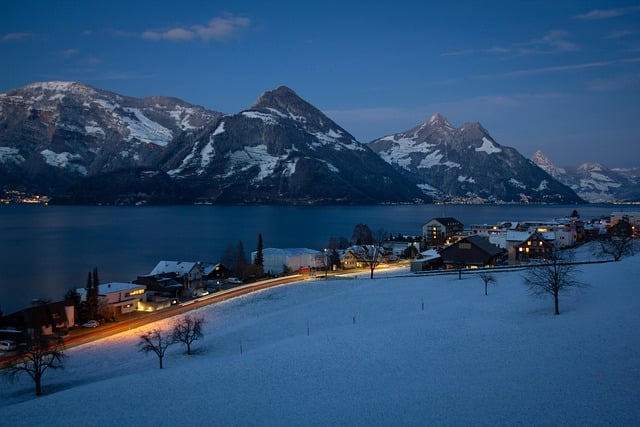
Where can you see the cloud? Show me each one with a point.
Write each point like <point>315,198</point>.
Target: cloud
<point>569,67</point>
<point>458,53</point>
<point>631,81</point>
<point>220,28</point>
<point>607,13</point>
<point>619,34</point>
<point>555,41</point>
<point>17,37</point>
<point>174,34</point>
<point>68,53</point>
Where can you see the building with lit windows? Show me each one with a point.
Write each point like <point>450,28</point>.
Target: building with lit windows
<point>117,298</point>
<point>439,231</point>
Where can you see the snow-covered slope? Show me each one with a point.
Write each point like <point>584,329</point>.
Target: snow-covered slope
<point>85,145</point>
<point>54,133</point>
<point>364,352</point>
<point>467,164</point>
<point>594,182</point>
<point>283,149</point>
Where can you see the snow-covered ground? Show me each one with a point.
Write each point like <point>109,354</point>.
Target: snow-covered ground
<point>357,351</point>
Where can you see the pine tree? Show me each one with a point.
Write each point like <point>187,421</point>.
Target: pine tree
<point>92,294</point>
<point>259,261</point>
<point>241,260</point>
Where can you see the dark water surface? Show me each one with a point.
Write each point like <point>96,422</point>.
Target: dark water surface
<point>45,250</point>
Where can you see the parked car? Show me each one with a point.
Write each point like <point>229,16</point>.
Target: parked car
<point>201,293</point>
<point>90,324</point>
<point>7,345</point>
<point>234,280</point>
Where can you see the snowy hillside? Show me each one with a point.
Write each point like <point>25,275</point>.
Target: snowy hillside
<point>365,352</point>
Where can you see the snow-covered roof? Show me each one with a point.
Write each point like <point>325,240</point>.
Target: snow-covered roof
<point>429,254</point>
<point>517,236</point>
<point>176,267</point>
<point>106,288</point>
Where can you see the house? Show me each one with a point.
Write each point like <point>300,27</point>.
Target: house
<point>471,252</point>
<point>116,298</point>
<point>534,247</point>
<point>214,271</point>
<point>523,246</point>
<point>190,274</point>
<point>42,318</point>
<point>428,260</point>
<point>160,286</point>
<point>632,218</point>
<point>401,249</point>
<point>439,231</point>
<point>277,260</point>
<point>360,256</point>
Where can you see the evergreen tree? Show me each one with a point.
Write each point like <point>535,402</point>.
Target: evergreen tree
<point>259,261</point>
<point>92,295</point>
<point>362,235</point>
<point>241,260</point>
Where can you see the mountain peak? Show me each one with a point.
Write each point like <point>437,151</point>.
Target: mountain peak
<point>282,99</point>
<point>439,119</point>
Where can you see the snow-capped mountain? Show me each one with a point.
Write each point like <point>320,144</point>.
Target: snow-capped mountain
<point>593,181</point>
<point>85,145</point>
<point>53,134</point>
<point>466,164</point>
<point>283,149</point>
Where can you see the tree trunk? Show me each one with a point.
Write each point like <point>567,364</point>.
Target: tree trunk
<point>557,306</point>
<point>485,288</point>
<point>160,361</point>
<point>38,385</point>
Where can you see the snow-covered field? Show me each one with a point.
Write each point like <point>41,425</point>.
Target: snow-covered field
<point>365,352</point>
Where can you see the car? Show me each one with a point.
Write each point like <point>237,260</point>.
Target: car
<point>201,293</point>
<point>233,280</point>
<point>7,345</point>
<point>90,324</point>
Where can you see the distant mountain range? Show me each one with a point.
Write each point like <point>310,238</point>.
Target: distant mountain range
<point>83,145</point>
<point>594,182</point>
<point>465,163</point>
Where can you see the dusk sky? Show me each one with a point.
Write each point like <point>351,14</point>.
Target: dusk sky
<point>562,77</point>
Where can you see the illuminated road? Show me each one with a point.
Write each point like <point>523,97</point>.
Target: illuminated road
<point>85,335</point>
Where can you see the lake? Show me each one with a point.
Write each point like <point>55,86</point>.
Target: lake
<point>46,250</point>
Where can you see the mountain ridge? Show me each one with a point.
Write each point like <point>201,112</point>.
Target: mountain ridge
<point>66,138</point>
<point>467,164</point>
<point>593,181</point>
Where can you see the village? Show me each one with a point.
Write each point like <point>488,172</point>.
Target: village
<point>444,244</point>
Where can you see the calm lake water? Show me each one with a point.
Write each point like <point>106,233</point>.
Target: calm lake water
<point>45,250</point>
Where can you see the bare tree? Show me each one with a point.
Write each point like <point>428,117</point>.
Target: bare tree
<point>617,246</point>
<point>188,330</point>
<point>551,277</point>
<point>372,254</point>
<point>157,342</point>
<point>36,358</point>
<point>487,278</point>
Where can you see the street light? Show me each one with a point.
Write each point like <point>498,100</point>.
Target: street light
<point>326,262</point>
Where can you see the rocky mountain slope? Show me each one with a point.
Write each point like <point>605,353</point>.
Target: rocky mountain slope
<point>85,145</point>
<point>465,164</point>
<point>284,150</point>
<point>54,134</point>
<point>594,182</point>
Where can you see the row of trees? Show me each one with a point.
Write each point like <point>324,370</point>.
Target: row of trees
<point>41,354</point>
<point>186,331</point>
